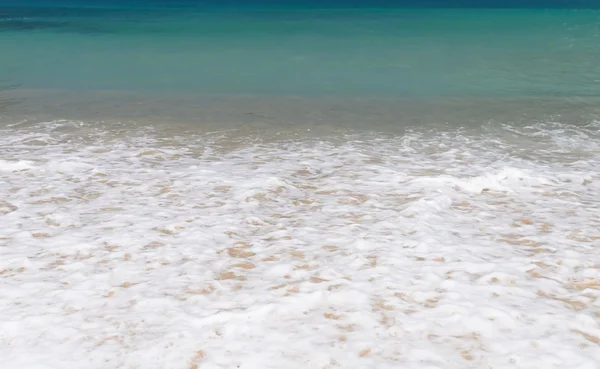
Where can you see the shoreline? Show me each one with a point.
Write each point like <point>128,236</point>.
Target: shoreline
<point>204,111</point>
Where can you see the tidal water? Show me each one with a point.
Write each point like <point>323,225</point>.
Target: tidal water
<point>299,184</point>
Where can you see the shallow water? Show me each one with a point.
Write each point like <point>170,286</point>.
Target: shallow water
<point>342,52</point>
<point>126,247</point>
<point>185,187</point>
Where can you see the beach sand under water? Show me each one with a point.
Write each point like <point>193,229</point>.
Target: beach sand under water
<point>129,245</point>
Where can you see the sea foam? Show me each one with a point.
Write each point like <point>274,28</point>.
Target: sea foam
<point>423,250</point>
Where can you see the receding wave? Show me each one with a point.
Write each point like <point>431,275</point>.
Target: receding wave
<point>220,249</point>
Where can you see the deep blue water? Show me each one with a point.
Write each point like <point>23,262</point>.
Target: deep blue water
<point>570,4</point>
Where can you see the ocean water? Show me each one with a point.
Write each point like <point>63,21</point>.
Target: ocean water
<point>299,185</point>
<point>415,53</point>
<point>185,60</point>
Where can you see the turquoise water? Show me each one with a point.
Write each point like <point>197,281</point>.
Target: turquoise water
<point>297,62</point>
<point>339,52</point>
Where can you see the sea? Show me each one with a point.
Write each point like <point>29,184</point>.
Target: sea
<point>300,184</point>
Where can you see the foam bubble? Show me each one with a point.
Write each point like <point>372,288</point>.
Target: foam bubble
<point>11,166</point>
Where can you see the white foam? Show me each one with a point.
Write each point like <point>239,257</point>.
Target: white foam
<point>422,251</point>
<point>11,166</point>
